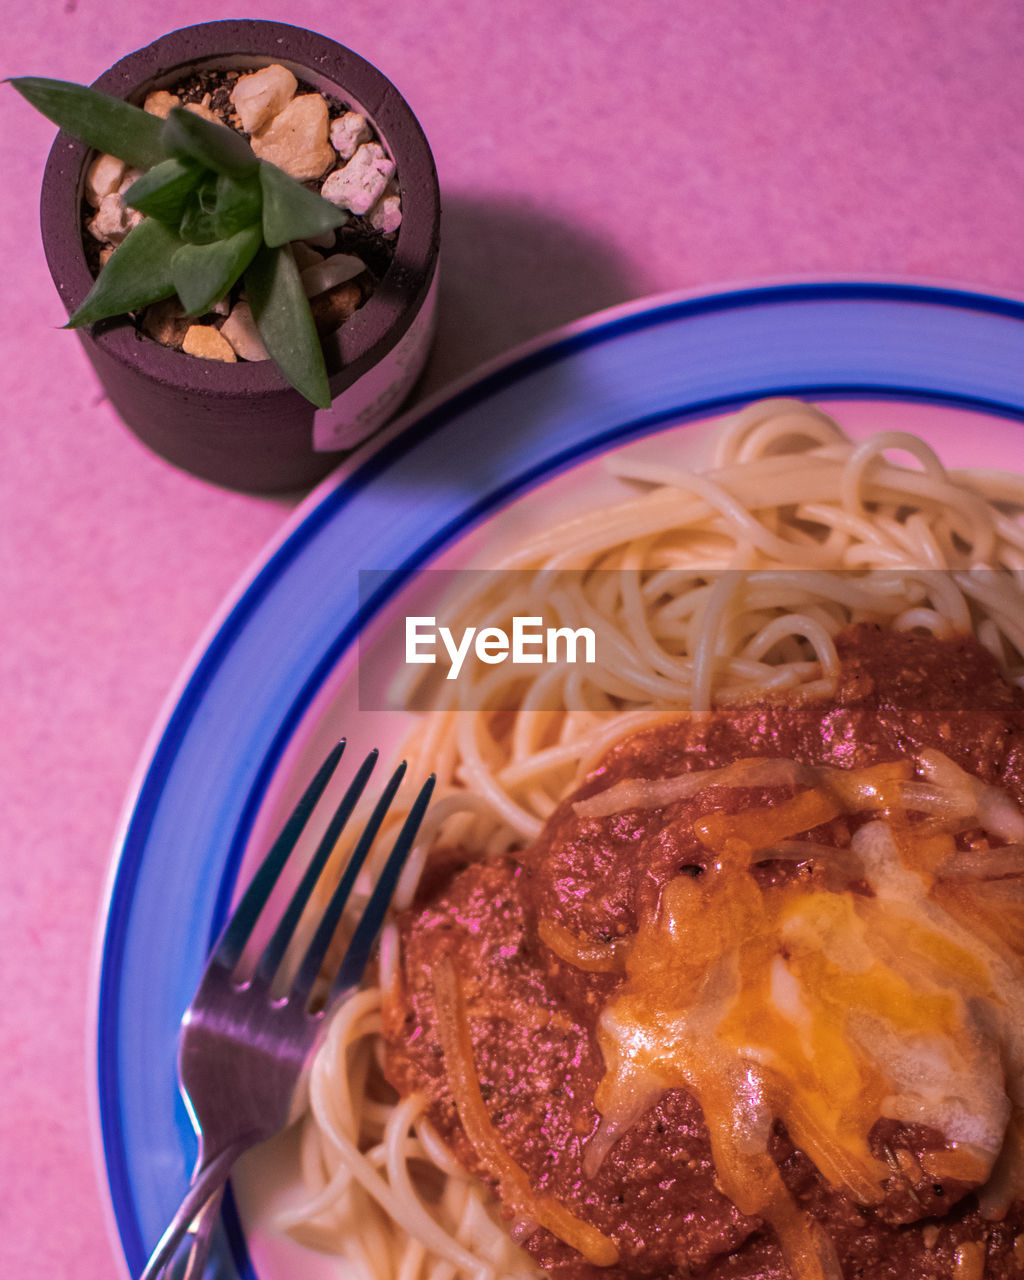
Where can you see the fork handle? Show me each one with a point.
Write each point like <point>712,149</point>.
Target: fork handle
<point>207,1183</point>
<point>205,1223</point>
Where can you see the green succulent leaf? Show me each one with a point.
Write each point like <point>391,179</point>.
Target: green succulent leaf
<point>293,212</point>
<point>238,204</point>
<point>203,273</point>
<point>97,119</point>
<point>199,221</point>
<point>190,137</point>
<point>285,322</point>
<point>165,191</point>
<point>138,273</point>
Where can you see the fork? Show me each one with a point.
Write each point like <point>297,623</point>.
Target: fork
<point>243,1046</point>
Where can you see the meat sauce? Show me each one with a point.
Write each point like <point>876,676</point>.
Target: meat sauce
<point>532,1013</point>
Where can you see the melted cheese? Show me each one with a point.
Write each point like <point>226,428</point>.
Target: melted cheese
<point>582,953</point>
<point>453,1032</point>
<point>824,1010</point>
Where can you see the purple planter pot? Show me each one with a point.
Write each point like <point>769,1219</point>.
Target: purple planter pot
<point>241,425</point>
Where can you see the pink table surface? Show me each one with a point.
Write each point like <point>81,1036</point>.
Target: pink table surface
<point>589,154</point>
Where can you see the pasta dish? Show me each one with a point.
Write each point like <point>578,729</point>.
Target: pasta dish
<point>709,961</point>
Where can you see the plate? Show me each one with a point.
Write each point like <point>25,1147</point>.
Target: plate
<point>524,441</point>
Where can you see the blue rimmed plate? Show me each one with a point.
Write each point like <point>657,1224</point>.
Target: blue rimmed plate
<point>517,445</point>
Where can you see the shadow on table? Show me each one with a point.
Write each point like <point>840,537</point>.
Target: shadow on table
<point>509,274</point>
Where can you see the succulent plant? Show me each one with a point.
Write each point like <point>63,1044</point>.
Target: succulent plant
<point>213,214</point>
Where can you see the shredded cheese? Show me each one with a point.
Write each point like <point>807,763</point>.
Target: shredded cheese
<point>825,1010</point>
<point>582,953</point>
<point>858,788</point>
<point>742,835</point>
<point>453,1031</point>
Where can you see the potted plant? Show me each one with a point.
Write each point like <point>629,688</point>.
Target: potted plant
<point>210,223</point>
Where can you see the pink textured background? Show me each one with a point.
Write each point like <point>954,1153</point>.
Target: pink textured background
<point>589,154</point>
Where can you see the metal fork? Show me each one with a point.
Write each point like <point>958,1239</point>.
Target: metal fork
<point>243,1046</point>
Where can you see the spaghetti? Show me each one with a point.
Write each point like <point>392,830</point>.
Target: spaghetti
<point>708,591</point>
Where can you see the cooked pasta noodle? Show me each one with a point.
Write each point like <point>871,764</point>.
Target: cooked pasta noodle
<point>707,590</point>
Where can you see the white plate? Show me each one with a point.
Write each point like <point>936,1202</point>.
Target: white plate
<point>274,682</point>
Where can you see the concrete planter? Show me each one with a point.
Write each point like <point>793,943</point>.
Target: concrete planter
<point>241,425</point>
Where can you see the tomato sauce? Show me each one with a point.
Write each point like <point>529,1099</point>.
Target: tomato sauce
<point>532,1013</point>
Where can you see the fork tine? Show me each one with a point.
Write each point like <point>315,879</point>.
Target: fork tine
<point>275,949</point>
<point>236,934</point>
<point>317,949</point>
<point>358,952</point>
<point>372,915</point>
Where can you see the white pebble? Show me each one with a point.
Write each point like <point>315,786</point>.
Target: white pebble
<point>386,214</point>
<point>262,95</point>
<point>203,340</point>
<point>130,176</point>
<point>201,109</point>
<point>330,272</point>
<point>296,139</point>
<point>240,331</point>
<point>104,176</point>
<point>358,185</point>
<point>347,132</point>
<point>304,255</point>
<point>160,102</point>
<point>113,219</point>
